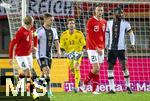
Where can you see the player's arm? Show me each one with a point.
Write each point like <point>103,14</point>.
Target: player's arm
<point>104,37</point>
<point>57,43</point>
<point>132,37</point>
<point>62,42</point>
<point>13,43</point>
<point>82,40</point>
<point>107,33</point>
<point>35,41</point>
<point>57,47</point>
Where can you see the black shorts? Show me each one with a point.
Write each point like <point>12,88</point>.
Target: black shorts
<point>114,54</point>
<point>43,62</point>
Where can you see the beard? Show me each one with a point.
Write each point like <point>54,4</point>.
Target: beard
<point>119,17</point>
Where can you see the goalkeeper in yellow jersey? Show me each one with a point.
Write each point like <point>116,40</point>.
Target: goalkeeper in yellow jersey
<point>72,42</point>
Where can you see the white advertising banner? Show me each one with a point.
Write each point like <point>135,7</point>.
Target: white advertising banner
<point>38,7</point>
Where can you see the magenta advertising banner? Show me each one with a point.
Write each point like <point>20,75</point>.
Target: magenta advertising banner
<point>139,69</point>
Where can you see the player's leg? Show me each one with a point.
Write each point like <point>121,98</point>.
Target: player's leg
<point>77,73</point>
<point>73,72</point>
<point>122,59</point>
<point>32,70</point>
<point>45,65</point>
<point>25,66</point>
<point>111,62</point>
<point>96,76</point>
<point>93,57</point>
<point>48,78</point>
<point>71,66</point>
<point>33,77</point>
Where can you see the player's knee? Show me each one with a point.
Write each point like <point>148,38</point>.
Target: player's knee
<point>123,67</point>
<point>47,74</point>
<point>72,71</point>
<point>27,73</point>
<point>76,68</point>
<point>110,66</point>
<point>21,75</point>
<point>95,70</point>
<point>76,65</point>
<point>126,72</point>
<point>45,70</point>
<point>123,64</point>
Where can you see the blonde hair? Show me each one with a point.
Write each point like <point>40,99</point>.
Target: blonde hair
<point>28,20</point>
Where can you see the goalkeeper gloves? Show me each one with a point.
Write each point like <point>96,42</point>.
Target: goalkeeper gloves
<point>73,55</point>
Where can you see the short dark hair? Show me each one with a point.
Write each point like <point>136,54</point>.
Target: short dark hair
<point>118,11</point>
<point>99,5</point>
<point>46,15</point>
<point>70,19</point>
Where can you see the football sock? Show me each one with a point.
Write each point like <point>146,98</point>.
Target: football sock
<point>127,78</point>
<point>88,78</point>
<point>77,78</point>
<point>95,82</point>
<point>111,80</point>
<point>48,83</point>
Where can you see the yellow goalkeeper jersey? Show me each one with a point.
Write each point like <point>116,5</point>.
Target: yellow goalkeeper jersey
<point>72,42</point>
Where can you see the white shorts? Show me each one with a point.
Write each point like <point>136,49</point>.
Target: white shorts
<point>94,57</point>
<point>25,62</point>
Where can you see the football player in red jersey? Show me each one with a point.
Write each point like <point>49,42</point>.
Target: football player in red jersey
<point>21,44</point>
<point>95,44</point>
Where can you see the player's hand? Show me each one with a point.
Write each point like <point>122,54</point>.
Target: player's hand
<point>10,61</point>
<point>106,51</point>
<point>132,48</point>
<point>99,51</point>
<point>58,54</point>
<point>34,49</point>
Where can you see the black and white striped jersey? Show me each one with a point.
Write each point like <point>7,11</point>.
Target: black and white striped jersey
<point>115,34</point>
<point>46,38</point>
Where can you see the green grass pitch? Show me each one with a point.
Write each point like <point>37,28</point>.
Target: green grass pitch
<point>71,96</point>
<point>119,96</point>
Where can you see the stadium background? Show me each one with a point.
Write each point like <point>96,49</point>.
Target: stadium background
<point>61,78</point>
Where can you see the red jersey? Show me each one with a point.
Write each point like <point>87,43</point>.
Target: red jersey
<point>95,33</point>
<point>23,42</point>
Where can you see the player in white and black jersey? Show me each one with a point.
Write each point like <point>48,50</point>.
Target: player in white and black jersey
<point>47,37</point>
<point>116,30</point>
